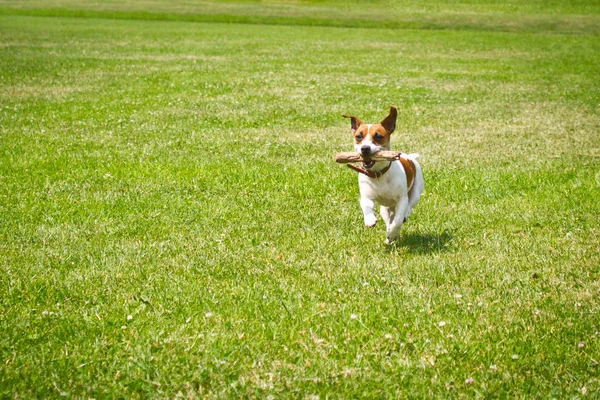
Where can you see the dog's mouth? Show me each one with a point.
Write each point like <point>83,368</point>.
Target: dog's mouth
<point>368,164</point>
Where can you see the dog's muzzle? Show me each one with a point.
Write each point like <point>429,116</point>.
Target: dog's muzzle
<point>368,164</point>
<point>365,151</point>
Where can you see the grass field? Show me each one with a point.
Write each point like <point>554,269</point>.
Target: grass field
<point>172,222</point>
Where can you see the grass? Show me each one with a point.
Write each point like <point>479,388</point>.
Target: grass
<point>562,17</point>
<point>172,223</point>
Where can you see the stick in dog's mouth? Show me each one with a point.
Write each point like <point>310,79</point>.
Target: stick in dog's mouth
<point>351,157</point>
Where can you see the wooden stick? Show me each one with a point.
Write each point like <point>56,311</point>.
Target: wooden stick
<point>352,156</point>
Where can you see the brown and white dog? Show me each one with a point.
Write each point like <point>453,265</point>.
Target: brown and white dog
<point>395,185</point>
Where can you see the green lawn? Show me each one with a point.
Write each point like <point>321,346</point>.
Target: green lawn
<point>172,222</point>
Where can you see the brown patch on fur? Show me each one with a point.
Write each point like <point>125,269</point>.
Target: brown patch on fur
<point>375,132</point>
<point>380,136</point>
<point>410,170</point>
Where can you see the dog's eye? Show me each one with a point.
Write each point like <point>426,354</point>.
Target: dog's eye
<point>378,137</point>
<point>358,137</point>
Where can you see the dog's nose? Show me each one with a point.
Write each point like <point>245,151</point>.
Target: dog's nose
<point>365,150</point>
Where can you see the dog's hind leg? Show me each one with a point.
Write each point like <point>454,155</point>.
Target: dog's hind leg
<point>394,229</point>
<point>414,194</point>
<point>387,214</point>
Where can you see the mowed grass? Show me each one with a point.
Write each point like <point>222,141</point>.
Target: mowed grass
<point>563,17</point>
<point>172,222</point>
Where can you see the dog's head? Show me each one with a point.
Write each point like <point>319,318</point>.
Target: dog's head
<point>371,138</point>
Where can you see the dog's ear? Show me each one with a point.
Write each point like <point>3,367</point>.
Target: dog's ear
<point>389,122</point>
<point>355,121</point>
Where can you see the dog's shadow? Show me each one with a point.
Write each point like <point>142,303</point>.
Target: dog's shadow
<point>423,243</point>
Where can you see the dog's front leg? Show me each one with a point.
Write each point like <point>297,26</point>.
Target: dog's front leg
<point>393,230</point>
<point>367,206</point>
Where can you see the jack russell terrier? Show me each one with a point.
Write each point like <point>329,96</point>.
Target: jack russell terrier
<point>395,185</point>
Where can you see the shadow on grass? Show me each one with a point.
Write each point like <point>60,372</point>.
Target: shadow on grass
<point>423,243</point>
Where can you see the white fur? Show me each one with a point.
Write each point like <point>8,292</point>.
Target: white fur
<point>390,191</point>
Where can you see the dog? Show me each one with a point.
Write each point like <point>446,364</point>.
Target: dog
<point>395,185</point>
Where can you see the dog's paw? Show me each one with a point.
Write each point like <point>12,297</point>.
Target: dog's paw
<point>370,221</point>
<point>390,239</point>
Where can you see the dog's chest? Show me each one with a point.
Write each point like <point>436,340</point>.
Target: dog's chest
<point>386,190</point>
